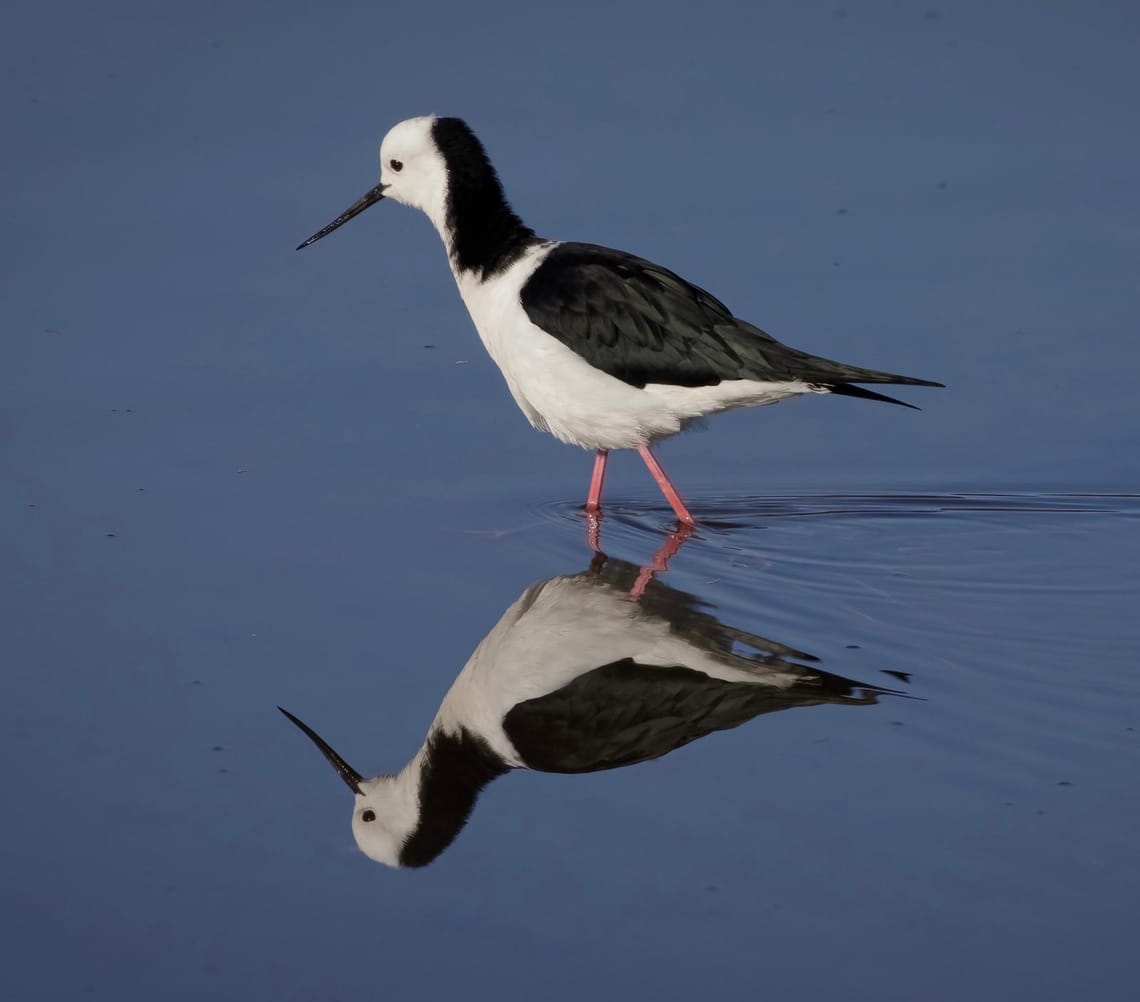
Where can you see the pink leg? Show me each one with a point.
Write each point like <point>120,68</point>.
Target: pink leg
<point>594,498</point>
<point>667,488</point>
<point>594,503</point>
<point>669,549</point>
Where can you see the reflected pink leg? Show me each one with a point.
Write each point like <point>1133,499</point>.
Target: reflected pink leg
<point>594,532</point>
<point>669,549</point>
<point>667,488</point>
<point>594,498</point>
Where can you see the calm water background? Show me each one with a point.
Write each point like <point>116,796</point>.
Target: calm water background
<point>233,476</point>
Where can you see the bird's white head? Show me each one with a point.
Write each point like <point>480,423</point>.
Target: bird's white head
<point>413,171</point>
<point>385,811</point>
<point>438,165</point>
<point>412,168</point>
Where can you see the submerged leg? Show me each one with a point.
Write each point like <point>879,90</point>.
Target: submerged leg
<point>667,488</point>
<point>669,549</point>
<point>594,498</point>
<point>594,532</point>
<point>594,502</point>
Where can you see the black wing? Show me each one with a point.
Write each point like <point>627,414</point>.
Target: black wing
<point>625,712</point>
<point>643,324</point>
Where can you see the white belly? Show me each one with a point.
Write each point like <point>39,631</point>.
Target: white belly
<point>560,392</point>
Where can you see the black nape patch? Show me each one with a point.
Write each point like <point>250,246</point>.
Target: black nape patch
<point>487,236</point>
<point>456,769</point>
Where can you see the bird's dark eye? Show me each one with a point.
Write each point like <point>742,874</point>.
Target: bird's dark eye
<point>396,165</point>
<point>368,816</point>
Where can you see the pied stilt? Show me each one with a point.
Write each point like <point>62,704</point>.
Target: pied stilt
<point>600,348</point>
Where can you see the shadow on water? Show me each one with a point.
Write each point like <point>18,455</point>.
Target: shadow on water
<point>583,672</point>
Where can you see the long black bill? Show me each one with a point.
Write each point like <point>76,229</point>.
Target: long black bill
<point>344,770</point>
<point>355,209</point>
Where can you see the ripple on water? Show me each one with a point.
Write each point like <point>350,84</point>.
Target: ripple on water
<point>1025,585</point>
<point>1012,616</point>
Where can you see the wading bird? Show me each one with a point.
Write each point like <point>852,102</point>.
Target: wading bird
<point>600,348</point>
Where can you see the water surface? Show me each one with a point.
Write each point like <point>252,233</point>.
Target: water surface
<point>233,476</point>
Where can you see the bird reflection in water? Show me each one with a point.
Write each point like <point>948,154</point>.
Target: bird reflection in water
<point>584,672</point>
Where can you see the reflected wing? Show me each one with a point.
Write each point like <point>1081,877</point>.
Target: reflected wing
<point>643,324</point>
<point>627,712</point>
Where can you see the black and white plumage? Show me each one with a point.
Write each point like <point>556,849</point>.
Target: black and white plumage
<point>576,678</point>
<point>600,348</point>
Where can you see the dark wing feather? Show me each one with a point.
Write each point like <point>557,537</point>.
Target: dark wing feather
<point>625,712</point>
<point>642,324</point>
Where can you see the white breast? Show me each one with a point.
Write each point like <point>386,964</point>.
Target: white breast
<point>560,392</point>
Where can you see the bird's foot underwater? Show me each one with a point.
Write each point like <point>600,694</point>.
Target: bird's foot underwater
<point>594,531</point>
<point>594,497</point>
<point>660,562</point>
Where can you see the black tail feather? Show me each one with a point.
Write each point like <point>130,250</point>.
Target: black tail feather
<point>851,390</point>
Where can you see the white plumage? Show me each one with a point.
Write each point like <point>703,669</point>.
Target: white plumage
<point>602,349</point>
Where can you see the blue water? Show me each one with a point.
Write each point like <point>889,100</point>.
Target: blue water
<point>233,476</point>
